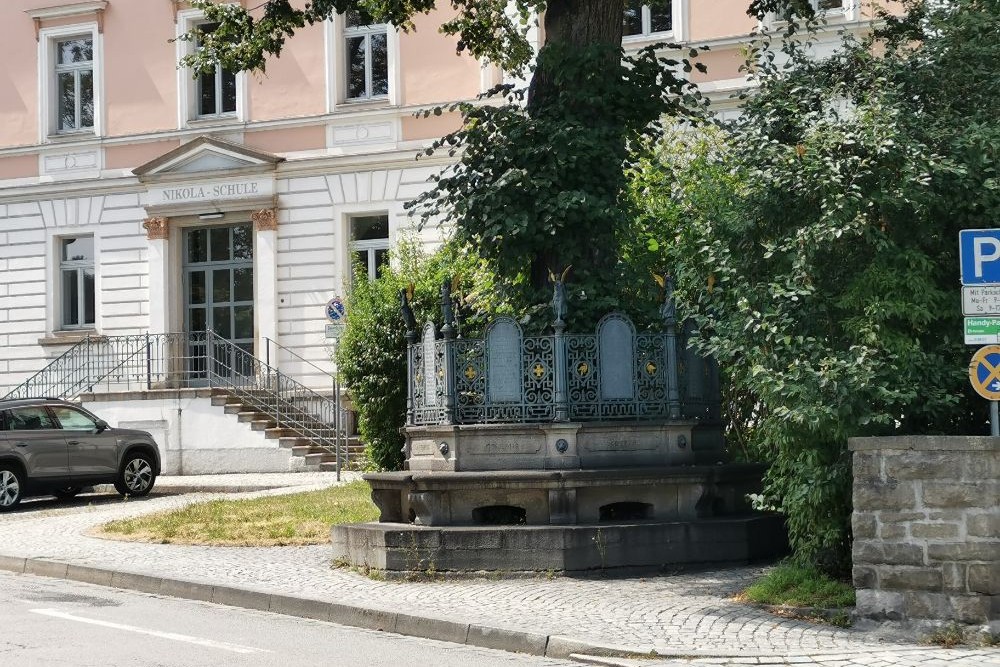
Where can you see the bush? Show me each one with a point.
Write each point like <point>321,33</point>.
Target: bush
<point>371,357</point>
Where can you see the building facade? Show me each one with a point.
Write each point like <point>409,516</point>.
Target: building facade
<point>135,198</point>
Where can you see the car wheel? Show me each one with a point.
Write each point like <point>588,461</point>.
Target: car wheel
<point>136,476</point>
<point>11,487</point>
<point>67,492</point>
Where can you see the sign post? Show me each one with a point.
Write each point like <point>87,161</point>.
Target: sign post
<point>984,374</point>
<point>979,264</point>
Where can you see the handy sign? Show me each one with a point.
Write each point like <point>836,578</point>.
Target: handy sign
<point>979,256</point>
<point>984,372</point>
<point>982,330</point>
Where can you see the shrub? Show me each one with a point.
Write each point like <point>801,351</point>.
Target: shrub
<point>371,357</point>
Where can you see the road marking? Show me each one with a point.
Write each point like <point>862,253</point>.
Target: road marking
<point>225,646</point>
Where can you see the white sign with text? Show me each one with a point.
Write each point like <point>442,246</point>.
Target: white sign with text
<point>209,191</point>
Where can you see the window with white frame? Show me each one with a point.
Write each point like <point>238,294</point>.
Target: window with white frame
<point>215,91</point>
<point>369,244</point>
<point>366,59</point>
<point>76,282</point>
<point>647,18</point>
<point>74,84</point>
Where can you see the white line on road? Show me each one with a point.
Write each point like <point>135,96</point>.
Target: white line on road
<point>225,646</point>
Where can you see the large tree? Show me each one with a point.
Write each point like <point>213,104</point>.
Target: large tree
<point>538,182</point>
<point>815,241</point>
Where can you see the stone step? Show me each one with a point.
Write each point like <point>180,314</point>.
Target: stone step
<point>262,424</point>
<point>292,442</point>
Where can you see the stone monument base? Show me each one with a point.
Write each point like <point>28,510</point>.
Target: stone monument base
<point>568,521</point>
<point>404,549</point>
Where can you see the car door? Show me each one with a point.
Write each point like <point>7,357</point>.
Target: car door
<point>33,435</point>
<point>93,452</point>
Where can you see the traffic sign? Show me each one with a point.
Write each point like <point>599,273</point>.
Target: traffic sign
<point>982,330</point>
<point>335,310</point>
<point>979,256</point>
<point>984,372</point>
<point>981,300</point>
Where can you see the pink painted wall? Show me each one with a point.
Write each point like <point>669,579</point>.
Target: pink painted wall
<point>721,64</point>
<point>712,19</point>
<point>431,127</point>
<point>18,166</point>
<point>19,74</point>
<point>431,71</point>
<point>129,156</point>
<point>140,69</point>
<point>287,140</point>
<point>293,84</point>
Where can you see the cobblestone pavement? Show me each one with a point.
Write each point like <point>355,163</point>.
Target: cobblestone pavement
<point>686,614</point>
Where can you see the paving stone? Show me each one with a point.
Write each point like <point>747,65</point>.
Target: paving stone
<point>684,614</point>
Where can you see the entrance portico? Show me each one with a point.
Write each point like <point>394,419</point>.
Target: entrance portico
<point>212,234</point>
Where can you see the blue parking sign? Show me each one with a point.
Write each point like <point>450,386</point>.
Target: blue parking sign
<point>979,256</point>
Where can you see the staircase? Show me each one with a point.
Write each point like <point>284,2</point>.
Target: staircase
<point>316,455</point>
<point>310,424</point>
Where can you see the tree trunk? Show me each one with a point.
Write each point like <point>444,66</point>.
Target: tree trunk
<point>578,24</point>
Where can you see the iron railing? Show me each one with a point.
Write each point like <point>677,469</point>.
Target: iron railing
<point>615,373</point>
<point>183,360</point>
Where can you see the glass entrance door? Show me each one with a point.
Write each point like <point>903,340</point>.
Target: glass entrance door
<point>218,289</point>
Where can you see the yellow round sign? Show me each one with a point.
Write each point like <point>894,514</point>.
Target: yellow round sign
<point>984,372</point>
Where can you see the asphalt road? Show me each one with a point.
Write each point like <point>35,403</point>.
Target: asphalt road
<point>55,622</point>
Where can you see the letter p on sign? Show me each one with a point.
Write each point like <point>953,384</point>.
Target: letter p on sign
<point>979,256</point>
<point>985,249</point>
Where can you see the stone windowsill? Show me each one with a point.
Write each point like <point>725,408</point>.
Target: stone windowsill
<point>67,337</point>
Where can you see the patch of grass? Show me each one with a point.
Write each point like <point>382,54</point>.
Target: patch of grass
<point>799,586</point>
<point>947,636</point>
<point>293,519</point>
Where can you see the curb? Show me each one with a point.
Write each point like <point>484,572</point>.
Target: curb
<point>471,634</point>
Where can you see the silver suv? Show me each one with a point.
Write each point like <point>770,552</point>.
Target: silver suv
<point>54,447</point>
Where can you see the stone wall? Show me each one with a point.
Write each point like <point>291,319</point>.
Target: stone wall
<point>927,528</point>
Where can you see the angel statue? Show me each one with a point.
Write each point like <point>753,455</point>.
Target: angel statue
<point>559,294</point>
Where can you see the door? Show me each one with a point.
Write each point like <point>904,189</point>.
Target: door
<point>91,452</point>
<point>33,435</point>
<point>218,297</point>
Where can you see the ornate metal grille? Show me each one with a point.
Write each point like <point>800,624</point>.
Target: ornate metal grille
<point>506,377</point>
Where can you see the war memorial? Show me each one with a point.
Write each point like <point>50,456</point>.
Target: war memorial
<point>565,452</point>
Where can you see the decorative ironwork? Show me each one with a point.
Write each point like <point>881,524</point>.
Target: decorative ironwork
<point>201,359</point>
<point>613,373</point>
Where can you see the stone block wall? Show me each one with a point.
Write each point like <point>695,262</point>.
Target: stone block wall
<point>927,528</point>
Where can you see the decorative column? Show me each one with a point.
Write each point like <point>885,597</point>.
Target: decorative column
<point>265,223</point>
<point>668,311</point>
<point>448,334</point>
<point>160,298</point>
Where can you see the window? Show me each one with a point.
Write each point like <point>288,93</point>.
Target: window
<point>367,58</point>
<point>34,418</point>
<point>647,19</point>
<point>216,91</point>
<point>74,72</point>
<point>370,244</point>
<point>73,420</point>
<point>76,281</point>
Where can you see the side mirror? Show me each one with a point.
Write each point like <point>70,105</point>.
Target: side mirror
<point>102,426</point>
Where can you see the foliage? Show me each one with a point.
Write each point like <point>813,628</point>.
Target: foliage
<point>532,211</point>
<point>813,242</point>
<point>292,519</point>
<point>799,586</point>
<point>485,28</point>
<point>371,357</point>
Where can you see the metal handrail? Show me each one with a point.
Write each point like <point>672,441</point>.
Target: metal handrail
<point>262,386</point>
<point>76,368</point>
<point>193,359</point>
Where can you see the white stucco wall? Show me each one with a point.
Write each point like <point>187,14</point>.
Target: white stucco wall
<point>196,437</point>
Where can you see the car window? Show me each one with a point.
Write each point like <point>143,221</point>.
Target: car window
<point>32,418</point>
<point>73,420</point>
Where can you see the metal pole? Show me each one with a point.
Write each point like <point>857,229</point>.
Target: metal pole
<point>994,419</point>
